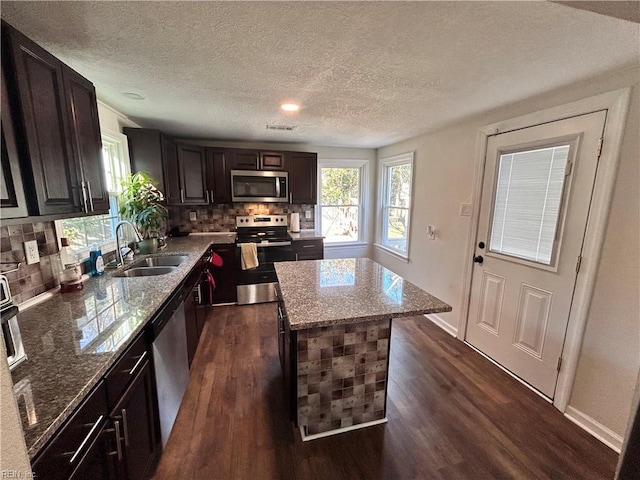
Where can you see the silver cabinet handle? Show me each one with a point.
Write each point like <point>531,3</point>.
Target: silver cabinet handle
<point>213,196</point>
<point>125,427</point>
<point>181,195</point>
<point>90,197</point>
<point>116,425</point>
<point>84,197</point>
<point>86,439</point>
<point>140,360</point>
<point>207,196</point>
<point>308,246</point>
<point>290,197</point>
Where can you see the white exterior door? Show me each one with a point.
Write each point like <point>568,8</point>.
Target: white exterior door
<point>536,196</point>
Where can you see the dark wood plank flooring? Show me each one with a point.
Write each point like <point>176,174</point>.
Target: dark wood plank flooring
<point>452,414</point>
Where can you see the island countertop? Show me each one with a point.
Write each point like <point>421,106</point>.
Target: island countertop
<point>351,290</point>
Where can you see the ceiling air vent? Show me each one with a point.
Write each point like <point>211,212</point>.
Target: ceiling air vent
<point>285,128</point>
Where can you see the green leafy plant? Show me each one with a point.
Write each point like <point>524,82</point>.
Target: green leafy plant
<point>140,203</point>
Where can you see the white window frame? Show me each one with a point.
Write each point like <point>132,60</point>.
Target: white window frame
<point>384,166</point>
<point>363,165</point>
<point>119,142</point>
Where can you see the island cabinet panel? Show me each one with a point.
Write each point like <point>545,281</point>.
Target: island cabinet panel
<point>303,175</point>
<point>13,203</point>
<point>342,375</point>
<point>193,175</point>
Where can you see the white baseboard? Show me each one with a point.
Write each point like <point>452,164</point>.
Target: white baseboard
<point>610,438</point>
<point>453,331</point>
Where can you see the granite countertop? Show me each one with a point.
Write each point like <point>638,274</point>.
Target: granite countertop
<point>72,339</point>
<point>306,235</point>
<point>352,290</point>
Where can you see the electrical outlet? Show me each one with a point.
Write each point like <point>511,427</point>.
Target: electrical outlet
<point>31,252</point>
<point>192,216</point>
<point>465,209</point>
<point>307,214</point>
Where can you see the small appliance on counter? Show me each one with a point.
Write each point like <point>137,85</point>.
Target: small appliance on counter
<point>10,329</point>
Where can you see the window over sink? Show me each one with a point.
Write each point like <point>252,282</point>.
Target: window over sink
<point>83,232</point>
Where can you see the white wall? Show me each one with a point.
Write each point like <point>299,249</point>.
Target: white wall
<point>111,120</point>
<point>444,164</point>
<point>13,450</point>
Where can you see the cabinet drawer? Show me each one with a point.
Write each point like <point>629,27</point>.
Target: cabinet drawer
<point>125,370</point>
<point>308,249</point>
<point>73,441</point>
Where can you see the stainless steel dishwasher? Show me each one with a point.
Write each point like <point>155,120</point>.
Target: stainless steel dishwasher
<point>171,362</point>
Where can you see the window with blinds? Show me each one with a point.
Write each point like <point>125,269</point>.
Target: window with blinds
<point>527,203</point>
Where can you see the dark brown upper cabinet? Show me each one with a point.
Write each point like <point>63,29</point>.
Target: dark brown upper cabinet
<point>218,176</point>
<point>146,153</point>
<point>193,175</point>
<point>171,169</point>
<point>12,200</point>
<point>245,160</point>
<point>272,161</point>
<point>303,176</point>
<point>55,116</point>
<point>85,133</point>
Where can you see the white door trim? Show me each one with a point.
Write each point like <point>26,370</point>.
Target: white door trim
<point>617,104</point>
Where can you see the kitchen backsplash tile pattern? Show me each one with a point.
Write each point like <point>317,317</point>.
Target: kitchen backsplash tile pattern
<point>30,280</point>
<point>222,218</point>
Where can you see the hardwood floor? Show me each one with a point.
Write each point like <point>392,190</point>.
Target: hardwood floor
<point>452,415</point>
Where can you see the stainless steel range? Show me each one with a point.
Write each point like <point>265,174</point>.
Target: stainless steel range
<point>273,244</point>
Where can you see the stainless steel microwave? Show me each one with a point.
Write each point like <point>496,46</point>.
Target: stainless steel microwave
<point>259,186</point>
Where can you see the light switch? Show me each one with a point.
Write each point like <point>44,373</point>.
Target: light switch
<point>31,252</point>
<point>307,214</point>
<point>192,216</point>
<point>465,209</point>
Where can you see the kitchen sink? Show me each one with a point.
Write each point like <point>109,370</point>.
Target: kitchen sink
<point>160,261</point>
<point>146,271</point>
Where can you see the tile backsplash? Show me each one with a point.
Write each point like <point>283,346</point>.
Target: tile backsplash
<point>30,280</point>
<point>222,218</point>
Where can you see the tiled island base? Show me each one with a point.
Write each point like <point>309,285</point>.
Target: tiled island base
<point>342,373</point>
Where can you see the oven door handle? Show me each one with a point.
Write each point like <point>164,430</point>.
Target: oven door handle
<point>269,244</point>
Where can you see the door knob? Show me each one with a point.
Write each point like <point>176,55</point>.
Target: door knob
<point>478,259</point>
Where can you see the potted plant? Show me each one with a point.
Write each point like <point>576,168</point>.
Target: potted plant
<point>140,203</point>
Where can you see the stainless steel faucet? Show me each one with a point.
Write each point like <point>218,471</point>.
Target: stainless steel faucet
<point>119,258</point>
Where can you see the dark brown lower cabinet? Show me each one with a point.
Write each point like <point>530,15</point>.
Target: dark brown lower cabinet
<point>99,463</point>
<point>224,276</point>
<point>138,435</point>
<point>287,348</point>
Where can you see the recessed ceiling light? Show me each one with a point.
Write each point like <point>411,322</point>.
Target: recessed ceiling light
<point>290,107</point>
<point>133,96</point>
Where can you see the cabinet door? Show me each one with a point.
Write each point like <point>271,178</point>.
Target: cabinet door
<point>99,463</point>
<point>218,174</point>
<point>190,317</point>
<point>225,276</point>
<point>245,160</point>
<point>171,170</point>
<point>137,414</point>
<point>40,90</point>
<point>193,174</point>
<point>87,143</point>
<point>272,161</point>
<point>145,153</point>
<point>12,200</point>
<point>303,171</point>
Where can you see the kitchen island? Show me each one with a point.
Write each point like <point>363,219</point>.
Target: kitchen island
<point>334,322</point>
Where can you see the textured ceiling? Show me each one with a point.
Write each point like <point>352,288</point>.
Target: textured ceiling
<point>365,74</point>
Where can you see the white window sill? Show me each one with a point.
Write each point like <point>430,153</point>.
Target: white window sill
<point>345,244</point>
<point>394,253</point>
